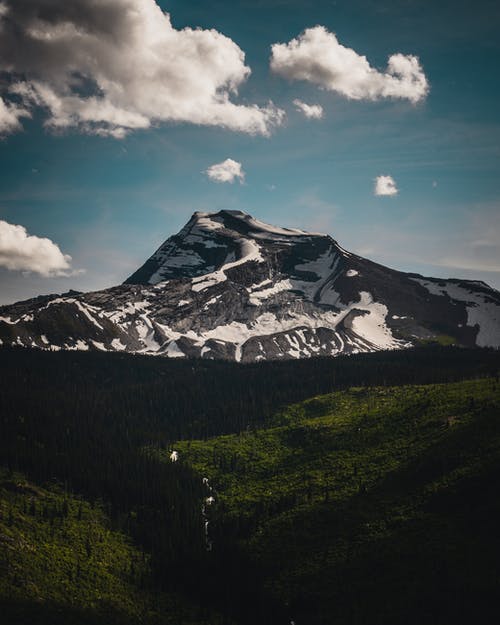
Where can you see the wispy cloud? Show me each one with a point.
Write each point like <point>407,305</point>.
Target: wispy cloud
<point>10,116</point>
<point>311,111</point>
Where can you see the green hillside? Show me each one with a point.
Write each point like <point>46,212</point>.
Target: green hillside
<point>62,563</point>
<point>368,505</point>
<point>376,502</point>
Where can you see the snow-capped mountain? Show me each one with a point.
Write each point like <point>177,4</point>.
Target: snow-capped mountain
<point>229,286</point>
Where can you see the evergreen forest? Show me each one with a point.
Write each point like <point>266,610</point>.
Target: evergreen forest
<point>349,490</point>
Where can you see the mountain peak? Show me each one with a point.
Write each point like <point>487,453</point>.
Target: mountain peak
<point>229,218</point>
<point>210,240</point>
<point>231,286</point>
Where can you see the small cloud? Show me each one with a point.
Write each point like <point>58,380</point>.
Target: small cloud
<point>311,111</point>
<point>227,171</point>
<point>271,187</point>
<point>434,184</point>
<point>20,251</point>
<point>385,185</point>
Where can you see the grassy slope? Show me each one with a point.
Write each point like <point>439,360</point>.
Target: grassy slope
<point>61,563</point>
<point>380,502</point>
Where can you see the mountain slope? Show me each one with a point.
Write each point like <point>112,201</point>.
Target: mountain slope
<point>61,563</point>
<point>229,286</point>
<point>372,505</point>
<point>109,422</point>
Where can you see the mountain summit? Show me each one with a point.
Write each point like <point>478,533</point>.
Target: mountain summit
<point>209,242</point>
<point>230,286</point>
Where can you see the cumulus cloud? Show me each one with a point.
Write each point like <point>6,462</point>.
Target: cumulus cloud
<point>227,171</point>
<point>311,111</point>
<point>317,56</point>
<point>24,252</point>
<point>111,66</point>
<point>385,185</point>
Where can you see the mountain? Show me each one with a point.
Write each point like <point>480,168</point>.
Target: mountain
<point>228,286</point>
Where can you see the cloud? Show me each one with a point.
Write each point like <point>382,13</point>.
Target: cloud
<point>317,56</point>
<point>227,171</point>
<point>108,67</point>
<point>10,113</point>
<point>311,111</point>
<point>385,185</point>
<point>24,252</point>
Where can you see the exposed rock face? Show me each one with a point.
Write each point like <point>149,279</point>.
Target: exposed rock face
<point>229,286</point>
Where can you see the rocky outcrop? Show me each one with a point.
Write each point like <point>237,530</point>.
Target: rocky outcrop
<point>229,286</point>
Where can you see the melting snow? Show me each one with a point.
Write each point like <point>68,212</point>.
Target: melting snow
<point>481,310</point>
<point>118,345</point>
<point>205,221</point>
<point>372,326</point>
<point>85,311</point>
<point>249,251</point>
<point>81,345</point>
<point>174,351</point>
<point>257,297</point>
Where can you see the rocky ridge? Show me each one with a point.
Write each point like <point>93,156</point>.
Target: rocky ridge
<point>230,286</point>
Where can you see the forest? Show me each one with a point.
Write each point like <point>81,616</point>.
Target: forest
<point>371,475</point>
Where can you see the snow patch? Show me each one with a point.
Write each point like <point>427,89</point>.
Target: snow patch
<point>81,345</point>
<point>372,327</point>
<point>256,298</point>
<point>249,251</point>
<point>481,310</point>
<point>174,351</point>
<point>84,309</point>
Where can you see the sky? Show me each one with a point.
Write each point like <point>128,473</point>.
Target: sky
<point>375,122</point>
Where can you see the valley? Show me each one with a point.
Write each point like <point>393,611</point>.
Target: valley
<point>321,480</point>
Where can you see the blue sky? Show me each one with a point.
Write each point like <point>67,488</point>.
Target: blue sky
<point>110,202</point>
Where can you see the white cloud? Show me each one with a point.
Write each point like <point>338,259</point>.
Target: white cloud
<point>227,171</point>
<point>317,57</point>
<point>111,66</point>
<point>311,111</point>
<point>24,252</point>
<point>10,114</point>
<point>385,185</point>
